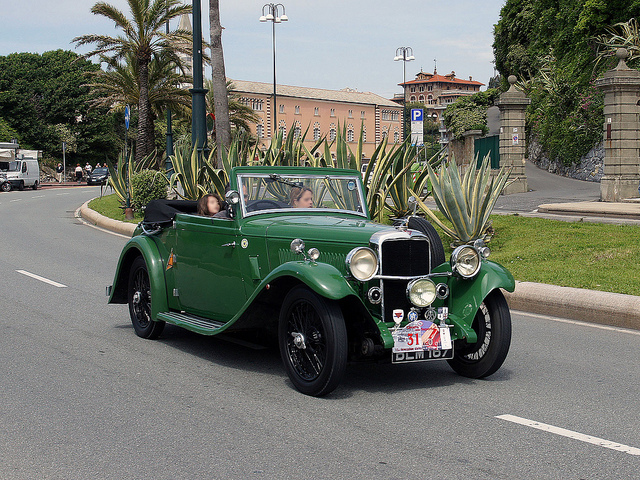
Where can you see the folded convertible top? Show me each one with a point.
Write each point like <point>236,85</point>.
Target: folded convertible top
<point>164,211</point>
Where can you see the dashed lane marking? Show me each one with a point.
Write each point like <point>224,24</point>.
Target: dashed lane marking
<point>571,434</point>
<point>38,196</point>
<point>16,200</point>
<point>42,279</point>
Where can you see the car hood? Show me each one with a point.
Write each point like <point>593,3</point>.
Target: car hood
<point>312,228</point>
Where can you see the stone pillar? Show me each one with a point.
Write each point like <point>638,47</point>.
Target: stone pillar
<point>513,104</point>
<point>621,87</point>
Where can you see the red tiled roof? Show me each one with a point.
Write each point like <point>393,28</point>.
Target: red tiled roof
<point>442,79</point>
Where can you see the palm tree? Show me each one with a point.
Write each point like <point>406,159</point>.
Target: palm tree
<point>240,115</point>
<point>119,85</point>
<point>144,39</point>
<point>219,83</point>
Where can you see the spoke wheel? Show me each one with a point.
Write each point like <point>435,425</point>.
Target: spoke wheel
<point>313,341</point>
<point>492,325</point>
<point>139,297</point>
<point>6,187</point>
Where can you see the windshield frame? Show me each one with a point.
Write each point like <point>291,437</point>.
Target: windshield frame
<point>302,176</point>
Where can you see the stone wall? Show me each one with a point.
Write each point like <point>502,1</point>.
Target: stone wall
<point>589,168</point>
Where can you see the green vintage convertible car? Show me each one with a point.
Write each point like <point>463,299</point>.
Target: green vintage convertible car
<point>295,255</point>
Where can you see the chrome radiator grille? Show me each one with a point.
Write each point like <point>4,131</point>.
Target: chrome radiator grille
<point>401,257</point>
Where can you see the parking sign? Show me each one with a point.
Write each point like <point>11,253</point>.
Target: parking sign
<point>417,115</point>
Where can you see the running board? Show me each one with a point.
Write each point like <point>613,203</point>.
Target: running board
<point>200,325</point>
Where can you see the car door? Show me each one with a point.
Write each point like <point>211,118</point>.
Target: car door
<point>207,267</point>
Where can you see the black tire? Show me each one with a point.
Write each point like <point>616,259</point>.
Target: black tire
<point>6,187</point>
<point>313,341</point>
<point>21,185</point>
<point>139,299</point>
<point>492,323</point>
<point>35,185</point>
<point>437,250</point>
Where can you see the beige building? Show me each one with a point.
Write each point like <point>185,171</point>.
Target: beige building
<point>436,92</point>
<point>322,112</point>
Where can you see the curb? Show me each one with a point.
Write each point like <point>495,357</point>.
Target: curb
<point>591,306</point>
<point>93,217</point>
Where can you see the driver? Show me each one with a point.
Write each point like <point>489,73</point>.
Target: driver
<point>301,197</point>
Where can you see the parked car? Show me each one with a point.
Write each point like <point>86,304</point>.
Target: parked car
<point>99,176</point>
<point>21,173</point>
<point>331,285</point>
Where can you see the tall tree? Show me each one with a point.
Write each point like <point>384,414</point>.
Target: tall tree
<point>240,115</point>
<point>143,39</point>
<point>43,96</point>
<point>219,83</point>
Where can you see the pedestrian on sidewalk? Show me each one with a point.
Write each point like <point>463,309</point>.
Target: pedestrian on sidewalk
<point>87,169</point>
<point>98,165</point>
<point>78,173</point>
<point>59,172</point>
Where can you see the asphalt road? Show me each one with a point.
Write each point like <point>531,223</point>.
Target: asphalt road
<point>81,397</point>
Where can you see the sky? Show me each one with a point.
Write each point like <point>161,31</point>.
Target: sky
<point>325,44</point>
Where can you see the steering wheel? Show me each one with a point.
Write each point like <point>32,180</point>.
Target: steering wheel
<point>262,205</point>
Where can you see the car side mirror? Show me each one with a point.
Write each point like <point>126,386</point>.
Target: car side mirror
<point>232,197</point>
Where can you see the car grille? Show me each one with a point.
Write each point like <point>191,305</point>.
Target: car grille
<point>401,258</point>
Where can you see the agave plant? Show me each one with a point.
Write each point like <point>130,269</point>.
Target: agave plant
<point>188,173</point>
<point>120,174</point>
<point>466,202</point>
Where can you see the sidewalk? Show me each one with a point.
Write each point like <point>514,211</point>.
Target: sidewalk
<point>623,210</point>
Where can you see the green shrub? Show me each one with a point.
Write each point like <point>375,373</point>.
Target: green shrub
<point>147,185</point>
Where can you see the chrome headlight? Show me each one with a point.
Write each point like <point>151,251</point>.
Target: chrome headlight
<point>465,261</point>
<point>421,292</point>
<point>362,262</point>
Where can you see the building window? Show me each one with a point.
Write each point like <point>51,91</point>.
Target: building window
<point>421,98</point>
<point>281,108</point>
<point>297,109</point>
<point>385,115</point>
<point>316,133</point>
<point>333,112</point>
<point>350,113</point>
<point>316,111</point>
<point>260,130</point>
<point>364,134</point>
<point>413,98</point>
<point>282,128</point>
<point>384,135</point>
<point>332,134</point>
<point>412,89</point>
<point>421,88</point>
<point>362,114</point>
<point>297,131</point>
<point>396,137</point>
<point>429,88</point>
<point>350,135</point>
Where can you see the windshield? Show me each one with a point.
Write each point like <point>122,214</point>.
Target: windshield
<point>10,166</point>
<point>101,171</point>
<point>264,192</point>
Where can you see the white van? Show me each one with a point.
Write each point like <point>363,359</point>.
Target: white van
<point>21,173</point>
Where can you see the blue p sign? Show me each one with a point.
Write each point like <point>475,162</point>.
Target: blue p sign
<point>416,114</point>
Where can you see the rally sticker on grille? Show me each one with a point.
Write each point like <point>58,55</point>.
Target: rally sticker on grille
<point>418,336</point>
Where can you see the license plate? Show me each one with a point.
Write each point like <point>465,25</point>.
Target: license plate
<point>421,340</point>
<point>421,356</point>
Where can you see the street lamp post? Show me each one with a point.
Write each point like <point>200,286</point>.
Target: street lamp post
<point>406,55</point>
<point>198,104</point>
<point>167,161</point>
<point>274,16</point>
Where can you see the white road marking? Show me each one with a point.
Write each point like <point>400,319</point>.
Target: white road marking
<point>38,196</point>
<point>578,322</point>
<point>16,200</point>
<point>42,279</point>
<point>58,194</point>
<point>571,434</point>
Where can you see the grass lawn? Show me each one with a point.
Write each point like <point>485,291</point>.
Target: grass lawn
<point>109,206</point>
<point>572,254</point>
